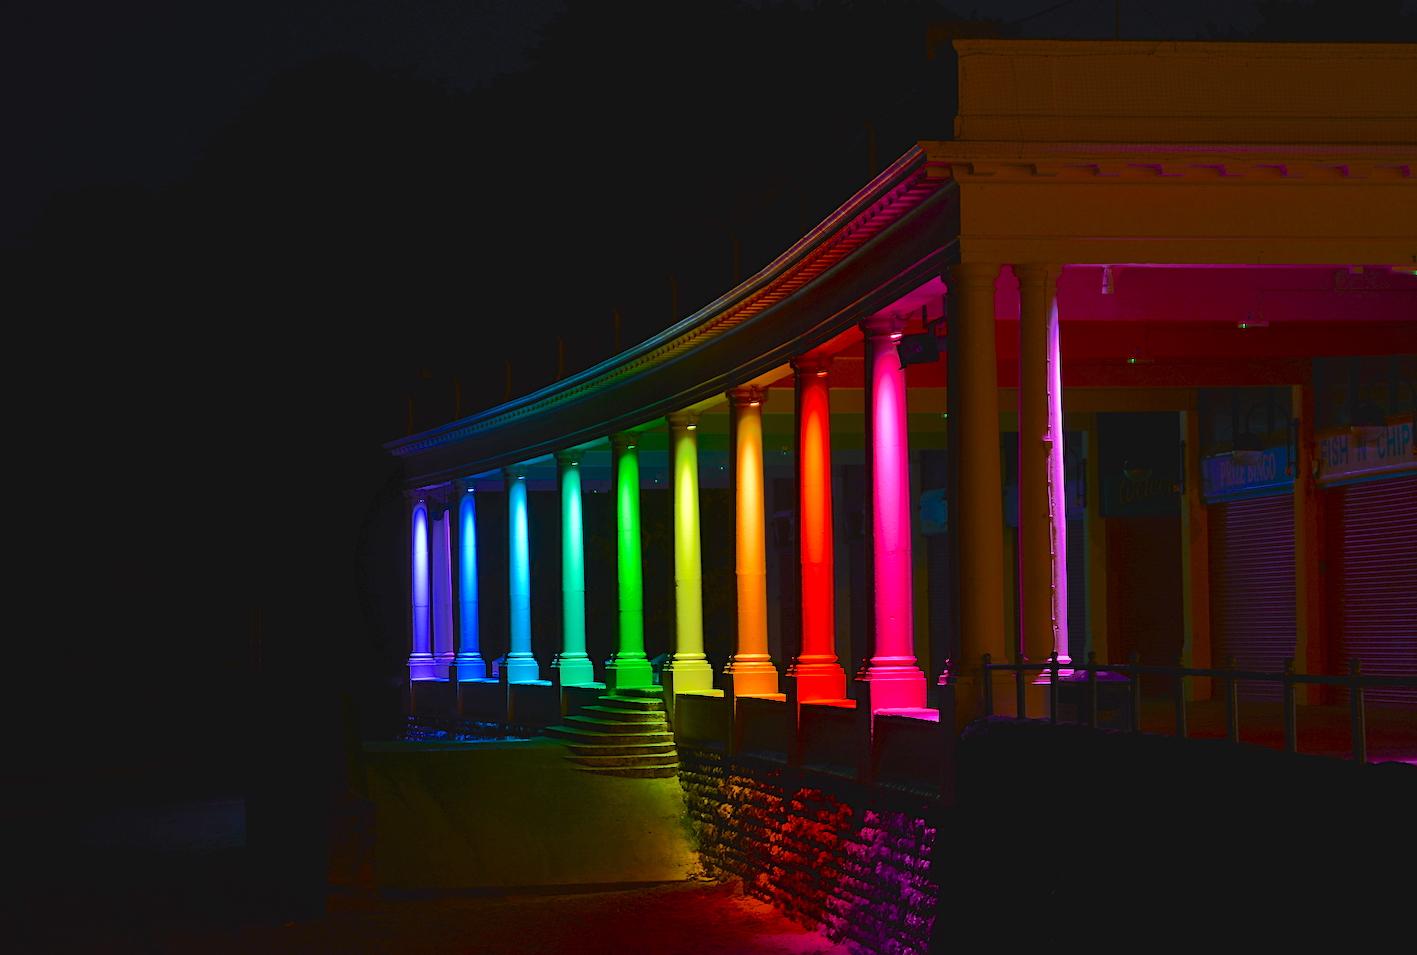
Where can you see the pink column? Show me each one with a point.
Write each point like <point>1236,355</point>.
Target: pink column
<point>895,679</point>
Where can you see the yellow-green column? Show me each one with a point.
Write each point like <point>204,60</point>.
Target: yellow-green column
<point>689,666</point>
<point>628,666</point>
<point>980,509</point>
<point>751,666</point>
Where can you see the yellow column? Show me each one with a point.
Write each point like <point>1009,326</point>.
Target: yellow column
<point>751,666</point>
<point>1195,564</point>
<point>980,509</point>
<point>1309,610</point>
<point>1041,501</point>
<point>688,665</point>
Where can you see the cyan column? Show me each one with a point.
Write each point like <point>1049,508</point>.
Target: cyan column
<point>521,665</point>
<point>420,661</point>
<point>628,666</point>
<point>469,660</point>
<point>689,665</point>
<point>572,665</point>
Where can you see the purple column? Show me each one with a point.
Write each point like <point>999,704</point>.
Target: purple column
<point>440,567</point>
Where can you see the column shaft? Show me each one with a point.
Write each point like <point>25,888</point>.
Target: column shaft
<point>895,679</point>
<point>628,666</point>
<point>689,665</point>
<point>471,666</point>
<point>441,588</point>
<point>572,665</point>
<point>1042,502</point>
<point>521,664</point>
<point>420,660</point>
<point>751,666</point>
<point>819,674</point>
<point>974,429</point>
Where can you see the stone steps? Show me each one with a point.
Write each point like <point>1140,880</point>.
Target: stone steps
<point>624,734</point>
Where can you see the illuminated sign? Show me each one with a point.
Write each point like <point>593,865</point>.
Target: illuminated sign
<point>1345,456</point>
<point>1223,478</point>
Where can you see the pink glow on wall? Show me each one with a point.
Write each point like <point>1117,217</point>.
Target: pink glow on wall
<point>420,661</point>
<point>441,592</point>
<point>1057,490</point>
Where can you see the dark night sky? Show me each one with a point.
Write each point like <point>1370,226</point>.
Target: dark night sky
<point>128,92</point>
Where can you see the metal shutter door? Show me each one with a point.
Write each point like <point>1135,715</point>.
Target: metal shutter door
<point>1252,587</point>
<point>1372,570</point>
<point>1077,591</point>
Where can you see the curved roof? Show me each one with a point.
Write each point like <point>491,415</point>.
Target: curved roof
<point>894,234</point>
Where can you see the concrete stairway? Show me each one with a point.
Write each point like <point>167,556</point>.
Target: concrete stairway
<point>624,735</point>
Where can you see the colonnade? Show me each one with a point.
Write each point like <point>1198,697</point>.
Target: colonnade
<point>897,681</point>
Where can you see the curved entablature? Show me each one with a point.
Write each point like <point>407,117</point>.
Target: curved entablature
<point>802,299</point>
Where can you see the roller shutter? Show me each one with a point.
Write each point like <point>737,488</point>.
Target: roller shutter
<point>1252,587</point>
<point>1372,576</point>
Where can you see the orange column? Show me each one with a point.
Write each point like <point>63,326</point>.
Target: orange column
<point>751,666</point>
<point>819,675</point>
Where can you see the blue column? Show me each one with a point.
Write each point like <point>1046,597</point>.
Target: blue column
<point>420,661</point>
<point>521,665</point>
<point>471,666</point>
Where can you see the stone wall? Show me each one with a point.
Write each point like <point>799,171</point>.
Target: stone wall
<point>854,860</point>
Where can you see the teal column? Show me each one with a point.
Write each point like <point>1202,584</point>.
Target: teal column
<point>521,665</point>
<point>572,666</point>
<point>628,667</point>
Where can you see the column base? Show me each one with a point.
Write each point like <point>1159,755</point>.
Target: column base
<point>817,682</point>
<point>895,687</point>
<point>522,669</point>
<point>422,666</point>
<point>470,667</point>
<point>690,676</point>
<point>752,678</point>
<point>572,671</point>
<point>628,673</point>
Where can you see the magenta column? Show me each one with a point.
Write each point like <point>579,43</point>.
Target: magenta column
<point>895,679</point>
<point>420,660</point>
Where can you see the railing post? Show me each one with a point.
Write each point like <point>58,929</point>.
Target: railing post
<point>1053,689</point>
<point>1020,678</point>
<point>1355,702</point>
<point>1232,705</point>
<point>1180,691</point>
<point>988,686</point>
<point>1092,688</point>
<point>1291,721</point>
<point>1134,661</point>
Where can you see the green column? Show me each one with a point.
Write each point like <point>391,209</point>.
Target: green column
<point>628,666</point>
<point>571,665</point>
<point>689,666</point>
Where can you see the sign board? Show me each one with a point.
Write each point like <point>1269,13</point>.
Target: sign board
<point>1343,457</point>
<point>1224,479</point>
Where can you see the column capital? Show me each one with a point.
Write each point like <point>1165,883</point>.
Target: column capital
<point>462,485</point>
<point>976,274</point>
<point>1037,273</point>
<point>682,419</point>
<point>811,365</point>
<point>624,440</point>
<point>746,395</point>
<point>569,456</point>
<point>514,472</point>
<point>878,327</point>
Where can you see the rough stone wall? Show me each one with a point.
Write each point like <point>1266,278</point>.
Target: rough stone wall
<point>828,853</point>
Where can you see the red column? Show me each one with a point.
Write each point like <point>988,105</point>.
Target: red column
<point>895,679</point>
<point>819,675</point>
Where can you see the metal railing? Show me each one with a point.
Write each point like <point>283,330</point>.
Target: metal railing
<point>1355,680</point>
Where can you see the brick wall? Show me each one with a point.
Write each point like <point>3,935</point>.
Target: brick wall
<point>852,859</point>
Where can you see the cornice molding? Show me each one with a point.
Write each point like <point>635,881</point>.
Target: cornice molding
<point>886,201</point>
